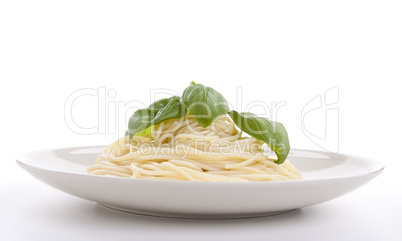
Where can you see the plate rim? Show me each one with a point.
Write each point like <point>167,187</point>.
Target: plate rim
<point>378,168</point>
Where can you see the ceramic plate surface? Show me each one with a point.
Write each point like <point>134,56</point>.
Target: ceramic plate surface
<point>326,176</point>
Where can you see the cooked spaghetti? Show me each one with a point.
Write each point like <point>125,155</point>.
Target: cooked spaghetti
<point>181,149</point>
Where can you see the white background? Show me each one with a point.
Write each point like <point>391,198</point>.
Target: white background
<point>275,51</point>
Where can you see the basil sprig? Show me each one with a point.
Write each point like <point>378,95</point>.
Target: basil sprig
<point>157,112</point>
<point>272,133</point>
<point>204,103</point>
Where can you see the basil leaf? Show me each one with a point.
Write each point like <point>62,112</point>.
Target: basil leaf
<point>156,113</point>
<point>272,133</point>
<point>205,103</point>
<point>144,133</point>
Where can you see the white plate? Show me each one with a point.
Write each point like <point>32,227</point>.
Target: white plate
<point>326,176</point>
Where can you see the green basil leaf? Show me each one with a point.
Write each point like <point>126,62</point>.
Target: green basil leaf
<point>205,103</point>
<point>156,113</point>
<point>144,133</point>
<point>272,133</point>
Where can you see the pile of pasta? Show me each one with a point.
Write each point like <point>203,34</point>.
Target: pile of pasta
<point>181,149</point>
